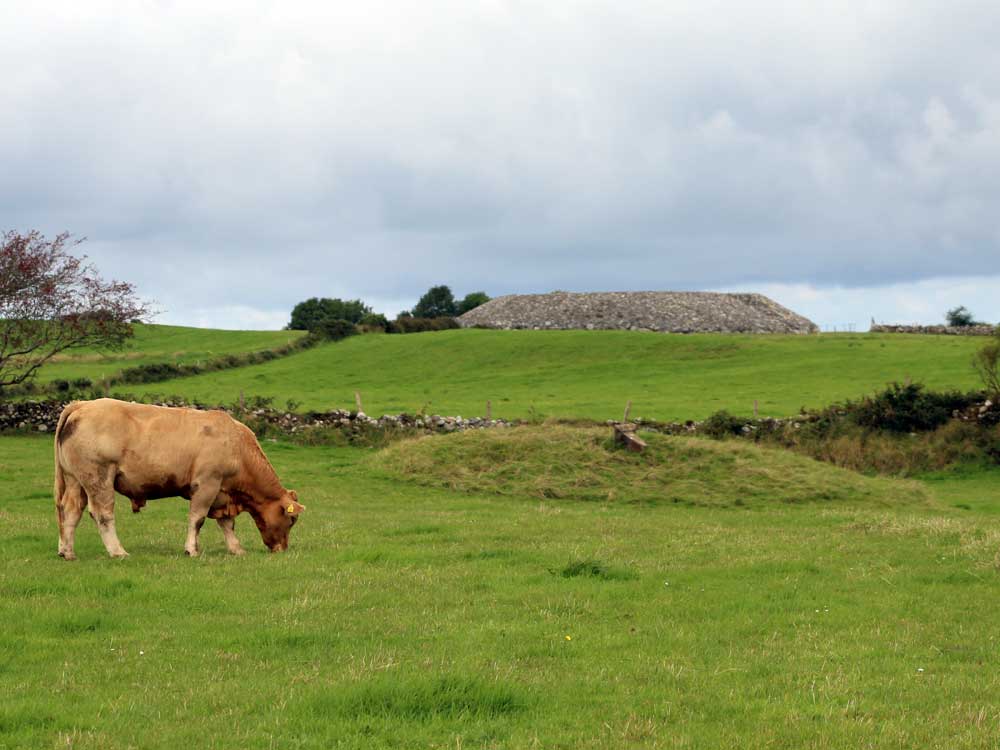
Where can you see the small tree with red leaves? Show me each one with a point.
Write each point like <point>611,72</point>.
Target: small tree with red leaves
<point>51,301</point>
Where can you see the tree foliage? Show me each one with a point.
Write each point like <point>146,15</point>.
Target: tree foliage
<point>438,302</point>
<point>471,301</point>
<point>51,301</point>
<point>959,317</point>
<point>311,313</point>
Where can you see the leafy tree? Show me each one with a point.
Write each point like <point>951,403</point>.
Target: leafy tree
<point>438,302</point>
<point>960,317</point>
<point>472,301</point>
<point>51,301</point>
<point>308,315</point>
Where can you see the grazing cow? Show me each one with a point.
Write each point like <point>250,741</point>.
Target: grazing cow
<point>148,452</point>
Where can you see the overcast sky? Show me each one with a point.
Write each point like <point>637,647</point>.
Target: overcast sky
<point>233,158</point>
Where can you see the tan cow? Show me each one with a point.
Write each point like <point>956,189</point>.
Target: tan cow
<point>148,452</point>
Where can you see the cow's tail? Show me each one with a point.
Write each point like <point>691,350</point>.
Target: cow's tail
<point>60,481</point>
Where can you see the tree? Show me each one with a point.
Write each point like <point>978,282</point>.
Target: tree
<point>438,302</point>
<point>310,314</point>
<point>959,317</point>
<point>51,301</point>
<point>472,301</point>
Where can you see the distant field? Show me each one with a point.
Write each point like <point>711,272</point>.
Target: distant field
<point>591,374</point>
<point>514,608</point>
<point>155,343</point>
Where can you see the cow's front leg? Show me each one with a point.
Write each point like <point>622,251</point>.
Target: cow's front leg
<point>203,495</point>
<point>228,526</point>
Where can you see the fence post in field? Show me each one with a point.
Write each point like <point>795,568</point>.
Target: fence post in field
<point>243,404</point>
<point>489,411</point>
<point>357,401</point>
<point>755,409</point>
<point>624,435</point>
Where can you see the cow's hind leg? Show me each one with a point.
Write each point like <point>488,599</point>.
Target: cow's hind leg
<point>69,511</point>
<point>101,504</point>
<point>228,526</point>
<point>204,492</point>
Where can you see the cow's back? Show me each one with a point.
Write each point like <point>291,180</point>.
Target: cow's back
<point>147,444</point>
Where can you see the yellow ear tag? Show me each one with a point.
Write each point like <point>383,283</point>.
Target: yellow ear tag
<point>290,508</point>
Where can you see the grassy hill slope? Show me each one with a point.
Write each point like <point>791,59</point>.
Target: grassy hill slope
<point>155,343</point>
<point>592,374</point>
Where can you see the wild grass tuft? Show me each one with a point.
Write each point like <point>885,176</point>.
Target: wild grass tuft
<point>424,699</point>
<point>591,568</point>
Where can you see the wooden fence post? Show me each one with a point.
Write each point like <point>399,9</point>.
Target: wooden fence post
<point>489,411</point>
<point>357,401</point>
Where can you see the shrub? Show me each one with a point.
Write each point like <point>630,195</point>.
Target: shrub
<point>335,329</point>
<point>374,322</point>
<point>81,383</point>
<point>419,325</point>
<point>722,424</point>
<point>908,408</point>
<point>987,364</point>
<point>309,314</point>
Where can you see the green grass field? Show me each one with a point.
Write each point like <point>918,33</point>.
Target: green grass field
<point>527,587</point>
<point>591,374</point>
<point>413,615</point>
<point>156,343</point>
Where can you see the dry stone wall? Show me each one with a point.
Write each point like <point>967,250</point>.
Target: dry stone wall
<point>668,312</point>
<point>43,416</point>
<point>976,330</point>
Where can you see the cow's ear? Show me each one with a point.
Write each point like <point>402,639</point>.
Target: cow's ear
<point>294,508</point>
<point>294,494</point>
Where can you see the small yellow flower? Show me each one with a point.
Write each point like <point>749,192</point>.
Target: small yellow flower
<point>569,637</point>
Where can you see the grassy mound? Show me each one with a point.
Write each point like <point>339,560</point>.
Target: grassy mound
<point>556,462</point>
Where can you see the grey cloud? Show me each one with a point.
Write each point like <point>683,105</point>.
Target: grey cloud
<point>252,155</point>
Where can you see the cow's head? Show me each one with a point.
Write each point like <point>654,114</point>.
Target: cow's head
<point>275,519</point>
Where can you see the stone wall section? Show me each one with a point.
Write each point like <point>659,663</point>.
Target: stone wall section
<point>666,312</point>
<point>976,330</point>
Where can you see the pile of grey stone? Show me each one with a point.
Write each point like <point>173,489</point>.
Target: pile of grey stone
<point>666,312</point>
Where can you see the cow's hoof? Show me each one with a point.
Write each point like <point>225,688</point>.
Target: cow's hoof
<point>238,552</point>
<point>66,555</point>
<point>119,555</point>
<point>191,553</point>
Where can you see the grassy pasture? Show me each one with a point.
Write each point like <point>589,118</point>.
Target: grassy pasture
<point>156,343</point>
<point>591,374</point>
<point>414,610</point>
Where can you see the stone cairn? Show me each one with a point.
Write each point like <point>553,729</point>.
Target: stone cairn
<point>666,312</point>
